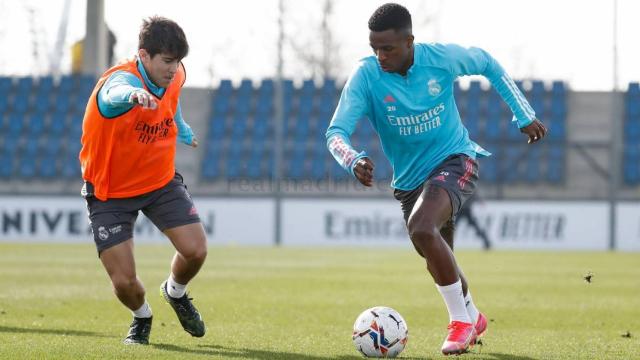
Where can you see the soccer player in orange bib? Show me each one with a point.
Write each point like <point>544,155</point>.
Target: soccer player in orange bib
<point>129,133</point>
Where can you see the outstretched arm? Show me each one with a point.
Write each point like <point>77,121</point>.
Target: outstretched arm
<point>121,92</point>
<point>353,106</point>
<point>475,61</point>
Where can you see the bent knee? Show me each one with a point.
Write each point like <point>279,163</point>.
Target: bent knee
<point>196,254</point>
<point>123,283</point>
<point>423,232</point>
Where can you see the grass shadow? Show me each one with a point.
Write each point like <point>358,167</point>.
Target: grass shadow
<point>499,356</point>
<point>253,353</point>
<point>18,330</point>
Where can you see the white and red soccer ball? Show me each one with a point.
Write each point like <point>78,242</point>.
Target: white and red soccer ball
<point>380,332</point>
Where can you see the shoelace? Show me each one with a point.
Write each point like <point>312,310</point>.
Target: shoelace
<point>457,328</point>
<point>139,327</point>
<point>185,306</point>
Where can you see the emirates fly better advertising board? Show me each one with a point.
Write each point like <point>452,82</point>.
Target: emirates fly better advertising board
<point>533,225</point>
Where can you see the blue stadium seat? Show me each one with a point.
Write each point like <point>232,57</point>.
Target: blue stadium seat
<point>225,87</point>
<point>57,123</point>
<point>15,125</point>
<point>492,128</point>
<point>558,89</point>
<point>254,165</point>
<point>20,103</point>
<point>532,165</point>
<point>264,104</point>
<point>7,164</point>
<point>511,165</point>
<point>473,126</point>
<point>233,159</point>
<point>42,103</point>
<point>308,87</point>
<point>62,103</point>
<point>45,85</point>
<point>246,87</point>
<point>318,170</point>
<point>261,129</point>
<point>211,161</point>
<point>221,104</point>
<point>238,127</point>
<point>217,127</point>
<point>557,129</point>
<point>537,103</point>
<point>31,148</point>
<point>27,167</point>
<point>267,87</point>
<point>10,145</point>
<point>24,85</point>
<point>301,128</point>
<point>457,90</point>
<point>326,105</point>
<point>75,127</point>
<point>336,171</point>
<point>329,85</point>
<point>537,89</point>
<point>210,170</point>
<point>52,145</point>
<point>305,105</point>
<point>559,106</point>
<point>4,101</point>
<point>47,166</point>
<point>73,146</point>
<point>35,124</point>
<point>71,166</point>
<point>632,131</point>
<point>242,105</point>
<point>65,86</point>
<point>555,164</point>
<point>475,90</point>
<point>296,165</point>
<point>631,164</point>
<point>488,168</point>
<point>6,84</point>
<point>632,106</point>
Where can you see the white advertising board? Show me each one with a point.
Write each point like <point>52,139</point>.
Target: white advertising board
<point>628,226</point>
<point>510,225</point>
<point>64,219</point>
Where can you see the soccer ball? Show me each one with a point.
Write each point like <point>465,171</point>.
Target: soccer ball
<point>380,332</point>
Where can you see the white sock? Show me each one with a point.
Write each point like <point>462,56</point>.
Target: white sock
<point>174,289</point>
<point>471,307</point>
<point>144,311</point>
<point>452,295</point>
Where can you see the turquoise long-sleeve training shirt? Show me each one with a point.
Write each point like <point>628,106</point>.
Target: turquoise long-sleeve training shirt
<point>415,115</point>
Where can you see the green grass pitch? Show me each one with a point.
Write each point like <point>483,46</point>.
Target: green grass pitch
<point>300,303</point>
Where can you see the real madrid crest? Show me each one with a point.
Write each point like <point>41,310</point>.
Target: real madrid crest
<point>434,87</point>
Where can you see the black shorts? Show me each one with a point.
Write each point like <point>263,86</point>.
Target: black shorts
<point>457,174</point>
<point>112,220</point>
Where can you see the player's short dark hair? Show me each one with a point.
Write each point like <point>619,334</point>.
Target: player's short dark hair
<point>390,16</point>
<point>161,35</point>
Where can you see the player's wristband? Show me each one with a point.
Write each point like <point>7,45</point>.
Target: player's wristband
<point>362,154</point>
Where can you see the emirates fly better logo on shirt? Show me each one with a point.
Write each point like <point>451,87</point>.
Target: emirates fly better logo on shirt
<point>418,123</point>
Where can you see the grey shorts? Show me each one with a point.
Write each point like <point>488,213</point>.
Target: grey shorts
<point>457,174</point>
<point>112,220</point>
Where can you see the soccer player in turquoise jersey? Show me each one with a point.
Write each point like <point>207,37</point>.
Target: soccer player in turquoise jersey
<point>406,91</point>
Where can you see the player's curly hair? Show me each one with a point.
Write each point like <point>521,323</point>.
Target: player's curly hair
<point>161,35</point>
<point>390,16</point>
